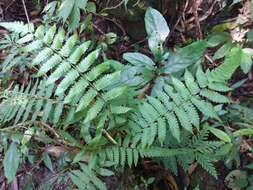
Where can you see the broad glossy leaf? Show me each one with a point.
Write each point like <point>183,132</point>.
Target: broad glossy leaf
<point>185,57</point>
<point>224,149</point>
<point>82,3</point>
<point>156,24</point>
<point>139,59</point>
<point>155,45</point>
<point>91,7</point>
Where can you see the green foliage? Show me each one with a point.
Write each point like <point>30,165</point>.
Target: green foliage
<point>84,81</point>
<point>116,115</point>
<point>11,161</point>
<point>24,104</point>
<point>229,48</point>
<point>157,30</point>
<point>129,156</point>
<point>69,11</point>
<point>86,178</point>
<point>18,27</point>
<point>239,179</point>
<point>144,70</point>
<point>202,151</point>
<point>176,105</point>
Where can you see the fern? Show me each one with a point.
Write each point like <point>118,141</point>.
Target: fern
<point>23,104</point>
<point>177,105</point>
<point>18,27</point>
<point>225,70</point>
<point>82,80</point>
<point>161,126</point>
<point>191,149</point>
<point>86,178</point>
<point>202,152</point>
<point>122,156</point>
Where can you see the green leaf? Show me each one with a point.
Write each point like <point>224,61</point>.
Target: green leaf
<point>222,51</point>
<point>82,4</point>
<point>110,38</point>
<point>250,166</point>
<point>224,71</point>
<point>138,59</point>
<point>119,109</point>
<point>156,24</point>
<point>74,17</point>
<point>18,27</point>
<point>185,57</point>
<point>11,162</point>
<point>66,8</point>
<point>220,134</point>
<point>246,60</point>
<point>242,132</point>
<point>214,96</point>
<point>91,7</point>
<point>105,172</point>
<point>48,162</point>
<point>95,110</point>
<point>155,45</point>
<point>79,156</point>
<point>27,136</point>
<point>217,39</point>
<point>114,93</point>
<point>224,149</point>
<point>237,179</point>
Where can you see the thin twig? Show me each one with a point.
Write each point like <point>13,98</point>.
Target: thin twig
<point>113,21</point>
<point>98,29</point>
<point>49,128</point>
<point>109,137</point>
<point>10,4</point>
<point>114,7</point>
<point>26,13</point>
<point>209,58</point>
<point>195,12</point>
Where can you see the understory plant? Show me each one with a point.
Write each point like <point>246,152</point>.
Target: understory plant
<point>101,116</point>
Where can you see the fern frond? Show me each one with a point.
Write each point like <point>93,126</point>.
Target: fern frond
<point>82,78</point>
<point>200,149</point>
<point>206,163</point>
<point>86,178</point>
<point>18,27</point>
<point>224,71</point>
<point>179,105</point>
<point>129,155</point>
<point>30,103</point>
